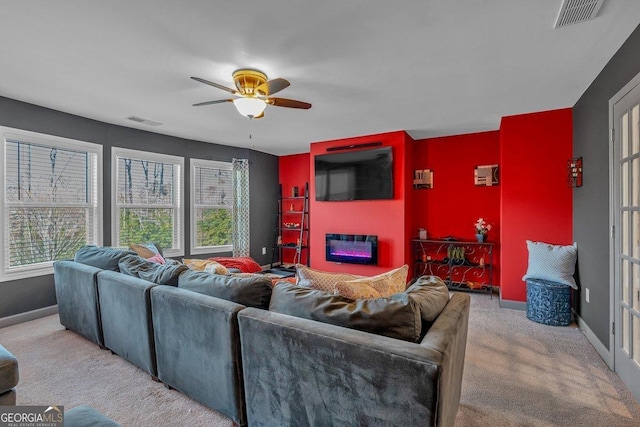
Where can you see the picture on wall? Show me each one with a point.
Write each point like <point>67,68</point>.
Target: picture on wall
<point>422,178</point>
<point>486,175</point>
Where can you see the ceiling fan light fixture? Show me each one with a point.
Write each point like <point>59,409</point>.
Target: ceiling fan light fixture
<point>250,107</point>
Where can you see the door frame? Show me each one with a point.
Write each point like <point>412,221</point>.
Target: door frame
<point>614,234</point>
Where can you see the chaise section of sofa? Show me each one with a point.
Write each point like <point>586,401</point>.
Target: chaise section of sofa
<point>125,313</point>
<point>198,348</point>
<point>304,372</point>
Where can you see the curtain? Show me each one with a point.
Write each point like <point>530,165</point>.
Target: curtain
<point>241,231</point>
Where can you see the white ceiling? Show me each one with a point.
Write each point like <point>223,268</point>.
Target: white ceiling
<point>430,67</point>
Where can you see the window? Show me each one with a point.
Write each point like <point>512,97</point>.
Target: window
<point>52,202</point>
<point>147,199</point>
<point>211,206</point>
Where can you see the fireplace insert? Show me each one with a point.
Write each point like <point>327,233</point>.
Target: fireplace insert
<point>352,248</point>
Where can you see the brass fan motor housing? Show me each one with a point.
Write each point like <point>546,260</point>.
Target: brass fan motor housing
<point>247,80</point>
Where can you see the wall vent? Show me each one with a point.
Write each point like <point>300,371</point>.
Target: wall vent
<point>574,11</point>
<point>144,121</point>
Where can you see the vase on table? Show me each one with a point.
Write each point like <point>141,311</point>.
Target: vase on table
<point>481,237</point>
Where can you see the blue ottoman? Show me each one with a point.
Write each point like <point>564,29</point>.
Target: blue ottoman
<point>8,377</point>
<point>86,416</point>
<point>548,303</point>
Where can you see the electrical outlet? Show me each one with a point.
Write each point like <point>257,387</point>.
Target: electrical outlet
<point>264,251</point>
<point>586,294</point>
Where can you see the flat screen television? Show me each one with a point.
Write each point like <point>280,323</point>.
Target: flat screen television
<point>355,175</point>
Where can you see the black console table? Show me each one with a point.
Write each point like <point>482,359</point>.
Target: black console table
<point>462,265</point>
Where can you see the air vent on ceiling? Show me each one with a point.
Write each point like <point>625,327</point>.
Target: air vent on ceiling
<point>574,11</point>
<point>145,121</point>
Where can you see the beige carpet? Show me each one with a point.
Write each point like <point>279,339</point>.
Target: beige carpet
<point>517,373</point>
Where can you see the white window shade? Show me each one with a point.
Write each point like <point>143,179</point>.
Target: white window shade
<point>211,206</point>
<point>51,204</point>
<point>147,200</point>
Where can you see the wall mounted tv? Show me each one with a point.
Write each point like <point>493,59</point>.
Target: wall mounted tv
<point>355,175</point>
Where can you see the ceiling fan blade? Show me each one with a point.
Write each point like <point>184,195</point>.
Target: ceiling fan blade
<point>216,85</point>
<point>272,86</point>
<point>289,103</point>
<point>219,101</point>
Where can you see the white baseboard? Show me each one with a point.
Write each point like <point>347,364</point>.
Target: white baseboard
<point>606,355</point>
<point>27,316</point>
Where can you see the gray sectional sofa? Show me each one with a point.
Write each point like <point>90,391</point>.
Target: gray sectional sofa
<point>215,339</point>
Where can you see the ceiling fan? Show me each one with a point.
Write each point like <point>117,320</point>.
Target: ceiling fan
<point>253,92</point>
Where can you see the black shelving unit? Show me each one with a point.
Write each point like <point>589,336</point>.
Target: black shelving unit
<point>292,229</point>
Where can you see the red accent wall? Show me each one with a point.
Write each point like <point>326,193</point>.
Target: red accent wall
<point>454,203</point>
<point>389,219</point>
<point>536,199</point>
<point>293,171</point>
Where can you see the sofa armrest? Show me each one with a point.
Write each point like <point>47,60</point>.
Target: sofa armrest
<point>303,372</point>
<point>77,298</point>
<point>448,334</point>
<point>198,348</point>
<point>125,311</point>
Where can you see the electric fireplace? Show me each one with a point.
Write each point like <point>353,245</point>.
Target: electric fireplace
<point>352,248</point>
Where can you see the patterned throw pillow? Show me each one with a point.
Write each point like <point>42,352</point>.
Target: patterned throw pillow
<point>356,291</point>
<point>554,263</point>
<point>209,266</point>
<point>321,280</point>
<point>385,284</point>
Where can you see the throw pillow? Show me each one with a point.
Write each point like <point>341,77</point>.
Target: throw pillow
<point>355,291</point>
<point>212,267</point>
<point>396,317</point>
<point>555,263</point>
<point>321,280</point>
<point>385,284</point>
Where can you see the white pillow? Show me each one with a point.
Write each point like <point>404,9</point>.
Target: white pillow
<point>555,263</point>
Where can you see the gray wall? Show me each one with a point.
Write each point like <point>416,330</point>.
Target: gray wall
<point>29,294</point>
<point>591,201</point>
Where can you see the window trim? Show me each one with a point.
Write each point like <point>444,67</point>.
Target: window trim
<point>178,189</point>
<point>95,191</point>
<point>200,250</point>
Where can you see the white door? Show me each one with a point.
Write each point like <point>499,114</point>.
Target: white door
<point>626,246</point>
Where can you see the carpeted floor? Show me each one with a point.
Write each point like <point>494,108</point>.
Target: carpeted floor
<point>517,373</point>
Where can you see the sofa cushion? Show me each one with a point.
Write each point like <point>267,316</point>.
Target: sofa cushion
<point>386,284</point>
<point>321,280</point>
<point>161,274</point>
<point>9,374</point>
<point>397,316</point>
<point>105,258</point>
<point>252,291</point>
<point>210,266</point>
<point>431,295</point>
